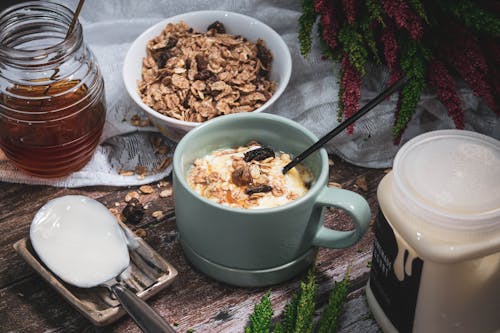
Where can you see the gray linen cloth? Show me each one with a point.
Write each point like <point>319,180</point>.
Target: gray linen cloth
<point>310,98</point>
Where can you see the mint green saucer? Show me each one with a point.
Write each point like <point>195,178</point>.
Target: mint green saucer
<point>249,278</point>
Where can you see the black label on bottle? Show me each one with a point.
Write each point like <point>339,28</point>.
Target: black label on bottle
<point>397,298</point>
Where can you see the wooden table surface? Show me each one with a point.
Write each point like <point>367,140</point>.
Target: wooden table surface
<point>193,301</point>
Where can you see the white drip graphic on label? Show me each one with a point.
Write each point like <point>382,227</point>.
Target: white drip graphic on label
<point>402,266</point>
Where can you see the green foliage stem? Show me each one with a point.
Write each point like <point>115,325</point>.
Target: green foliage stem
<point>354,46</point>
<point>418,7</point>
<point>306,304</point>
<point>329,320</point>
<point>473,16</point>
<point>413,65</point>
<point>306,23</point>
<point>375,11</point>
<point>260,319</point>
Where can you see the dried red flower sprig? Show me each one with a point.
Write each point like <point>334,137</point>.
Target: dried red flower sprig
<point>349,10</point>
<point>463,52</point>
<point>407,36</point>
<point>404,17</point>
<point>330,25</point>
<point>351,89</point>
<point>441,80</point>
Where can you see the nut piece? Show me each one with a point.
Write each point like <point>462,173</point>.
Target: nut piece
<point>158,214</point>
<point>141,233</point>
<point>166,193</point>
<point>126,172</point>
<point>131,195</point>
<point>146,189</point>
<point>362,184</point>
<point>334,184</point>
<point>241,176</point>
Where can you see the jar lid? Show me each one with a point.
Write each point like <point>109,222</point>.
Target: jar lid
<point>450,178</point>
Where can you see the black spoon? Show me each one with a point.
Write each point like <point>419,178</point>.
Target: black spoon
<point>358,114</point>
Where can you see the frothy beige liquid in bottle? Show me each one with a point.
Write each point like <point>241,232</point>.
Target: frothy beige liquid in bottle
<point>436,258</point>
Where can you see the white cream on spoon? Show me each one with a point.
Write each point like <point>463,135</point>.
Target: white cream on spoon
<point>81,242</point>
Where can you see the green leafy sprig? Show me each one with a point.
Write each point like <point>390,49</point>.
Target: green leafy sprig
<point>260,319</point>
<point>297,316</point>
<point>306,23</point>
<point>329,321</point>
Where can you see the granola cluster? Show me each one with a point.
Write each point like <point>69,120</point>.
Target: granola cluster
<point>196,76</point>
<point>248,177</point>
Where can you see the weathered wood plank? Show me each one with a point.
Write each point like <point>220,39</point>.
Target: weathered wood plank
<point>193,301</point>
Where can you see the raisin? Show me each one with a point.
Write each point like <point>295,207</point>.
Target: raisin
<point>212,93</point>
<point>264,55</point>
<point>259,154</point>
<point>171,42</point>
<point>185,102</point>
<point>133,211</point>
<point>203,75</point>
<point>258,189</point>
<point>218,26</point>
<point>201,62</point>
<point>162,58</point>
<point>241,176</point>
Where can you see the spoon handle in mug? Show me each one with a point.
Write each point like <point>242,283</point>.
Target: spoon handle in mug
<point>144,316</point>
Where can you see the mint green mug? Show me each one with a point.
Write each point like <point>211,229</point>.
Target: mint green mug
<point>261,246</point>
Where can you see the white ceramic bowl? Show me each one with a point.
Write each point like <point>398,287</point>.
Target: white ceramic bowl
<point>235,24</point>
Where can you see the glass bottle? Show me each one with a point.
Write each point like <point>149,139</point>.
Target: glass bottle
<point>52,103</point>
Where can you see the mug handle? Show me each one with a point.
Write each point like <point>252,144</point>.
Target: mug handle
<point>355,205</point>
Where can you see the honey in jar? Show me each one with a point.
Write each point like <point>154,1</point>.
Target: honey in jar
<point>52,104</point>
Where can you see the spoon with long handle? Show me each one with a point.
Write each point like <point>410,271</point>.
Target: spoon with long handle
<point>343,125</point>
<point>81,242</point>
<point>144,316</point>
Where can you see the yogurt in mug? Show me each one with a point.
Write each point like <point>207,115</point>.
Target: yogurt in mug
<point>248,177</point>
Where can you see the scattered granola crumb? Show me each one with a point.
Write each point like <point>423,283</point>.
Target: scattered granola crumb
<point>163,183</point>
<point>131,195</point>
<point>126,172</point>
<point>166,193</point>
<point>362,184</point>
<point>114,211</point>
<point>141,170</point>
<point>334,184</point>
<point>136,120</point>
<point>146,189</point>
<point>158,214</point>
<point>330,163</point>
<point>141,233</point>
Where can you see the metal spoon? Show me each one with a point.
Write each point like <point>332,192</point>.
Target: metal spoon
<point>144,316</point>
<point>80,241</point>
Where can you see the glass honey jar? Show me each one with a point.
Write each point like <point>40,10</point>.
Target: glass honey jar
<point>52,103</point>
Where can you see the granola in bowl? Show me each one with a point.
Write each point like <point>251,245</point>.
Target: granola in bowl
<point>248,177</point>
<point>196,76</point>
